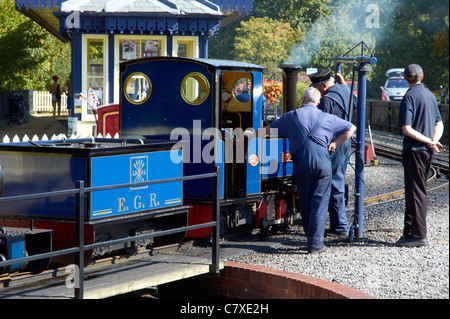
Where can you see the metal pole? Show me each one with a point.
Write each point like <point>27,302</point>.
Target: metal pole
<point>359,152</point>
<point>216,218</point>
<point>362,60</point>
<point>79,235</point>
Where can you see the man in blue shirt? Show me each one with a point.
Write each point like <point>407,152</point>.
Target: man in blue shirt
<point>336,100</point>
<point>421,123</point>
<point>313,135</point>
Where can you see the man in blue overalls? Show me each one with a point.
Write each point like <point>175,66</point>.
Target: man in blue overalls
<point>311,135</point>
<point>335,100</point>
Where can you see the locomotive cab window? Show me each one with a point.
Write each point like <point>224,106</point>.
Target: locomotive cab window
<point>237,99</point>
<point>137,88</point>
<point>195,88</point>
<point>242,90</point>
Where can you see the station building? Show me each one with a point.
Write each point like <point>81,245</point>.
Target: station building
<point>104,33</point>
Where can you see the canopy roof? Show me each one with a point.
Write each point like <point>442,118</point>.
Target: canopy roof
<point>143,6</point>
<point>43,12</point>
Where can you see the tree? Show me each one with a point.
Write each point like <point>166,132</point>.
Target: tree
<point>440,51</point>
<point>299,13</point>
<point>330,28</point>
<point>332,35</point>
<point>222,46</point>
<point>265,42</point>
<point>29,55</point>
<point>417,40</point>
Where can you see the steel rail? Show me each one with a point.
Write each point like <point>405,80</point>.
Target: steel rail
<point>387,197</point>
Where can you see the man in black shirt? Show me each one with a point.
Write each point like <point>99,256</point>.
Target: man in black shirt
<point>421,123</point>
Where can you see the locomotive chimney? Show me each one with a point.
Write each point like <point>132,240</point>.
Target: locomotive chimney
<point>290,76</point>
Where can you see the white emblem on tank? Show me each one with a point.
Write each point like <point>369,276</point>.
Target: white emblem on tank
<point>139,171</point>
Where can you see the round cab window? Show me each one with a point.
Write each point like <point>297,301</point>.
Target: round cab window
<point>138,88</point>
<point>195,88</point>
<point>242,90</point>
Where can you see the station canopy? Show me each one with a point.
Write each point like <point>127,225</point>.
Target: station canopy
<point>51,13</point>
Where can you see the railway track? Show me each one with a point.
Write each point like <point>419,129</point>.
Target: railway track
<point>57,276</point>
<point>440,166</point>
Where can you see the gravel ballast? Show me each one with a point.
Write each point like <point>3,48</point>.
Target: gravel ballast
<point>373,264</point>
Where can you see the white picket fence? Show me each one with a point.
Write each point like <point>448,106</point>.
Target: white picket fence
<point>42,102</point>
<point>59,137</point>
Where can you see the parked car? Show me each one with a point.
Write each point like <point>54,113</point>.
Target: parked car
<point>395,73</point>
<point>395,87</point>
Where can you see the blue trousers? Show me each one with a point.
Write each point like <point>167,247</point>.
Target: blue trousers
<point>312,169</point>
<point>336,206</point>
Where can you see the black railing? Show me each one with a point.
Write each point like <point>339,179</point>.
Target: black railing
<point>80,191</point>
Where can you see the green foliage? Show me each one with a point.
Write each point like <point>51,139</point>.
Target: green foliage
<point>299,13</point>
<point>422,40</point>
<point>222,47</point>
<point>333,35</point>
<point>265,42</point>
<point>440,52</point>
<point>408,32</point>
<point>29,55</point>
<point>301,88</point>
<point>312,33</point>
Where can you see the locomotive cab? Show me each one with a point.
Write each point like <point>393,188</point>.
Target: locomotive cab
<point>206,105</point>
<point>236,107</point>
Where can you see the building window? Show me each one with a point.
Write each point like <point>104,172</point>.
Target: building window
<point>135,47</point>
<point>185,46</point>
<point>128,47</point>
<point>185,49</point>
<point>95,70</point>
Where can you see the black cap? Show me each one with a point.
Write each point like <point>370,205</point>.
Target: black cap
<point>413,70</point>
<point>320,76</point>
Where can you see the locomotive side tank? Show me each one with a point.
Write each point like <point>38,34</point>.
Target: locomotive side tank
<point>47,166</point>
<point>206,105</point>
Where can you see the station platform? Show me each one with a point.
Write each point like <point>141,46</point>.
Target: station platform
<point>125,276</point>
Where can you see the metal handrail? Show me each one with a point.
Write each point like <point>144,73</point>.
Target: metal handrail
<point>80,192</point>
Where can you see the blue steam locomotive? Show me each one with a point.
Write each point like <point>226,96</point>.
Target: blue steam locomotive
<point>177,117</point>
<point>205,105</point>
